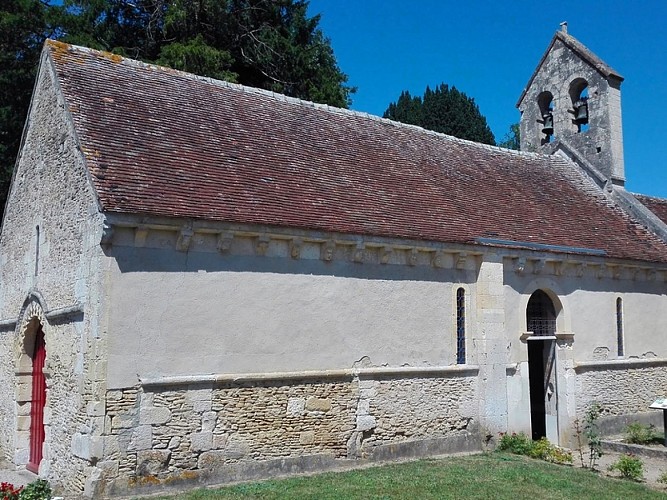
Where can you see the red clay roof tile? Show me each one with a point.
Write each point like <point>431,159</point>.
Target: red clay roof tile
<point>166,143</point>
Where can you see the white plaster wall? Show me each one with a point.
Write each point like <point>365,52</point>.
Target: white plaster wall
<point>250,314</point>
<point>589,311</point>
<point>50,189</point>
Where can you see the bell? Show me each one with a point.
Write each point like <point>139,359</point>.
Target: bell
<point>548,128</point>
<point>581,113</point>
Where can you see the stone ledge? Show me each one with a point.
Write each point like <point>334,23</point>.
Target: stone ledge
<point>619,364</point>
<point>635,449</point>
<point>381,371</point>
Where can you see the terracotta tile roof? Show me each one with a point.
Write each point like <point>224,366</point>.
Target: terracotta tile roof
<point>166,143</point>
<point>656,205</point>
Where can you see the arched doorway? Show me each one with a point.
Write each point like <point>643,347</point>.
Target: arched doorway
<point>38,401</point>
<point>541,322</point>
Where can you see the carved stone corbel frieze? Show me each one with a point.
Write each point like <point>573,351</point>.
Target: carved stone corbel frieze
<point>262,244</point>
<point>385,254</point>
<point>295,246</point>
<point>328,250</point>
<point>580,269</point>
<point>602,271</point>
<point>538,266</point>
<point>140,235</point>
<point>184,239</point>
<point>224,243</point>
<point>460,260</point>
<point>412,256</point>
<point>107,234</point>
<point>651,275</point>
<point>557,267</point>
<point>438,259</point>
<point>358,252</point>
<point>520,265</point>
<point>617,271</point>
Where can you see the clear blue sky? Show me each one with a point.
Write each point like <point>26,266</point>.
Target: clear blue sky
<point>489,49</point>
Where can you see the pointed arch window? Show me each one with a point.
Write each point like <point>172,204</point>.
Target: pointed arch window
<point>460,326</point>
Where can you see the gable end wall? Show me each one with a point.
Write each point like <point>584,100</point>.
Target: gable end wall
<point>50,191</point>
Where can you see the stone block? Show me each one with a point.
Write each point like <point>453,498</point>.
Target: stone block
<point>366,423</point>
<point>122,422</point>
<point>152,462</point>
<point>23,423</point>
<point>48,412</point>
<point>93,485</point>
<point>208,420</point>
<point>201,441</point>
<point>147,400</point>
<point>201,406</point>
<point>174,443</point>
<point>24,392</point>
<point>142,438</point>
<point>22,439</point>
<point>95,409</point>
<point>295,406</point>
<point>155,415</point>
<point>363,407</point>
<point>23,408</point>
<point>211,459</point>
<point>307,437</point>
<point>109,468</point>
<point>236,448</point>
<point>80,446</point>
<point>317,404</point>
<point>111,445</point>
<point>199,395</point>
<point>220,441</point>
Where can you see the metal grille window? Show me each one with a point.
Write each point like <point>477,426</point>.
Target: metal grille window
<point>460,326</point>
<point>619,326</point>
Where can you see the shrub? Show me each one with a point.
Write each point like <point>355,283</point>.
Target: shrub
<point>629,467</point>
<point>9,492</point>
<point>544,450</point>
<point>663,478</point>
<point>519,444</point>
<point>592,434</point>
<point>641,434</point>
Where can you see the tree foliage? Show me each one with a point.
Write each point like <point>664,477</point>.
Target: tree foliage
<point>445,110</point>
<point>512,139</point>
<point>271,44</point>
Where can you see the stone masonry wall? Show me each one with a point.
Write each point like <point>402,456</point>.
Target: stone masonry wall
<point>621,390</point>
<point>49,251</point>
<point>158,435</point>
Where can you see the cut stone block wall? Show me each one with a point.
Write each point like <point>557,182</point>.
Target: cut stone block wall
<point>159,434</point>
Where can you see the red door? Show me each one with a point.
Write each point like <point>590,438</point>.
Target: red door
<point>38,402</point>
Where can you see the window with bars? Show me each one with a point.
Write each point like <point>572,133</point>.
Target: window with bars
<point>460,326</point>
<point>619,327</point>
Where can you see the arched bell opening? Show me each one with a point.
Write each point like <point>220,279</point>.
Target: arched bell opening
<point>541,315</point>
<point>545,103</point>
<point>579,98</point>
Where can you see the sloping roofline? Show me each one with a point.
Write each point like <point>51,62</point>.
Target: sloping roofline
<point>580,49</point>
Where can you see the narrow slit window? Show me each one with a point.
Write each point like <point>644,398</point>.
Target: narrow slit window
<point>460,326</point>
<point>36,250</point>
<point>619,327</point>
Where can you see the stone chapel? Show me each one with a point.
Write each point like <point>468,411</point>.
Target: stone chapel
<point>204,282</point>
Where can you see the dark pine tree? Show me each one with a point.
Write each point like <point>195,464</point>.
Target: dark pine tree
<point>446,110</point>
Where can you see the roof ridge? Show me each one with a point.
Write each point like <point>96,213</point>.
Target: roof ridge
<point>641,195</point>
<point>58,45</point>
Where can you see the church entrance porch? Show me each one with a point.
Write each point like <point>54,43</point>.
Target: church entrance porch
<point>541,322</point>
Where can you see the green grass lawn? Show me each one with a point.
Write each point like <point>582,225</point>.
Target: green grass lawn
<point>487,476</point>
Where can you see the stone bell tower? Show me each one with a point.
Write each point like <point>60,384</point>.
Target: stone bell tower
<point>572,104</point>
